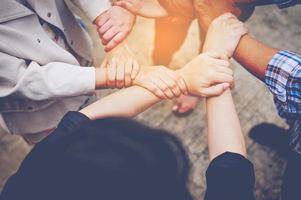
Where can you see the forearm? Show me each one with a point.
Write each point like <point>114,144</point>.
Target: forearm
<point>128,102</point>
<point>254,56</point>
<point>224,131</point>
<point>52,81</point>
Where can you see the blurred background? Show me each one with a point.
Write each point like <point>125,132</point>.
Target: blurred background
<point>278,28</point>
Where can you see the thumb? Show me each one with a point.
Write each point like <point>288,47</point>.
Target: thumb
<point>122,4</point>
<point>215,90</point>
<point>217,55</point>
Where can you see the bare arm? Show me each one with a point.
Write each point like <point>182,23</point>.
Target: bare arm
<point>224,131</point>
<point>254,56</point>
<point>204,76</point>
<point>125,103</point>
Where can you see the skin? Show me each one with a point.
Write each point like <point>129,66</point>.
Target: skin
<point>224,131</point>
<point>250,53</point>
<point>254,56</point>
<point>185,103</point>
<point>113,26</point>
<point>206,72</point>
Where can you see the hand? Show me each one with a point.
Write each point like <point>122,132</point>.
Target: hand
<point>163,82</point>
<point>224,34</point>
<point>150,9</point>
<point>120,70</point>
<point>114,25</point>
<point>207,75</point>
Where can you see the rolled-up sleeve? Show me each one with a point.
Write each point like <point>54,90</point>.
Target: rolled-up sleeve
<point>55,80</point>
<point>93,8</point>
<point>283,78</point>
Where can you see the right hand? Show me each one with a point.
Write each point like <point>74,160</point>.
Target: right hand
<point>120,71</point>
<point>224,34</point>
<point>161,81</point>
<point>207,75</point>
<point>114,25</point>
<point>149,9</point>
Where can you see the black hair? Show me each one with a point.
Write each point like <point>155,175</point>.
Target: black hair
<point>112,159</point>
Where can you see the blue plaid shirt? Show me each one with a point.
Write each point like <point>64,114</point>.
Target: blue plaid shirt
<point>283,77</point>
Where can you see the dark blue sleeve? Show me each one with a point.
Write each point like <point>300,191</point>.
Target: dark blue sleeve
<point>39,156</point>
<point>70,122</point>
<point>230,176</point>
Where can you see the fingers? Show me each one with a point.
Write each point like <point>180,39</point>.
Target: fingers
<point>216,55</point>
<point>226,16</point>
<point>104,63</point>
<point>180,83</point>
<point>109,35</point>
<point>224,70</point>
<point>135,70</point>
<point>102,19</point>
<point>124,4</point>
<point>111,74</point>
<point>103,29</point>
<point>149,85</point>
<point>120,74</point>
<point>128,73</point>
<point>119,37</point>
<point>114,25</point>
<point>162,86</point>
<point>240,29</point>
<point>221,78</point>
<point>172,85</point>
<point>215,90</point>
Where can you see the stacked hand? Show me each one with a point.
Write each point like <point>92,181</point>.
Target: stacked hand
<point>163,82</point>
<point>114,25</point>
<point>121,67</point>
<point>224,34</point>
<point>206,75</point>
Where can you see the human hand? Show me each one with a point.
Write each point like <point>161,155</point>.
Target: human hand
<point>121,70</point>
<point>207,75</point>
<point>114,25</point>
<point>224,34</point>
<point>161,81</point>
<point>144,8</point>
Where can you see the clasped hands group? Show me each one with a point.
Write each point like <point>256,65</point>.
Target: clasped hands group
<point>208,74</point>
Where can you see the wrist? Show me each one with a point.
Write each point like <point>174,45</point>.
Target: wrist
<point>100,78</point>
<point>181,73</point>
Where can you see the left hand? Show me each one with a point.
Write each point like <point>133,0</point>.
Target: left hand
<point>114,25</point>
<point>121,70</point>
<point>224,34</point>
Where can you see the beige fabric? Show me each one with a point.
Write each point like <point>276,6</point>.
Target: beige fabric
<point>39,80</point>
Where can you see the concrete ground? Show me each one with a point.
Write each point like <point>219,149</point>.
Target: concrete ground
<point>278,28</point>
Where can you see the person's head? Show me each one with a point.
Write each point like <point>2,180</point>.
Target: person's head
<point>107,159</point>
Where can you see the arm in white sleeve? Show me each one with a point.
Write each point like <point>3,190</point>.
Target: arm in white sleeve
<point>55,80</point>
<point>93,8</point>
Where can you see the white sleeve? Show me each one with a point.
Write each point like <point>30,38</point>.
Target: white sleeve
<point>93,8</point>
<point>52,81</point>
